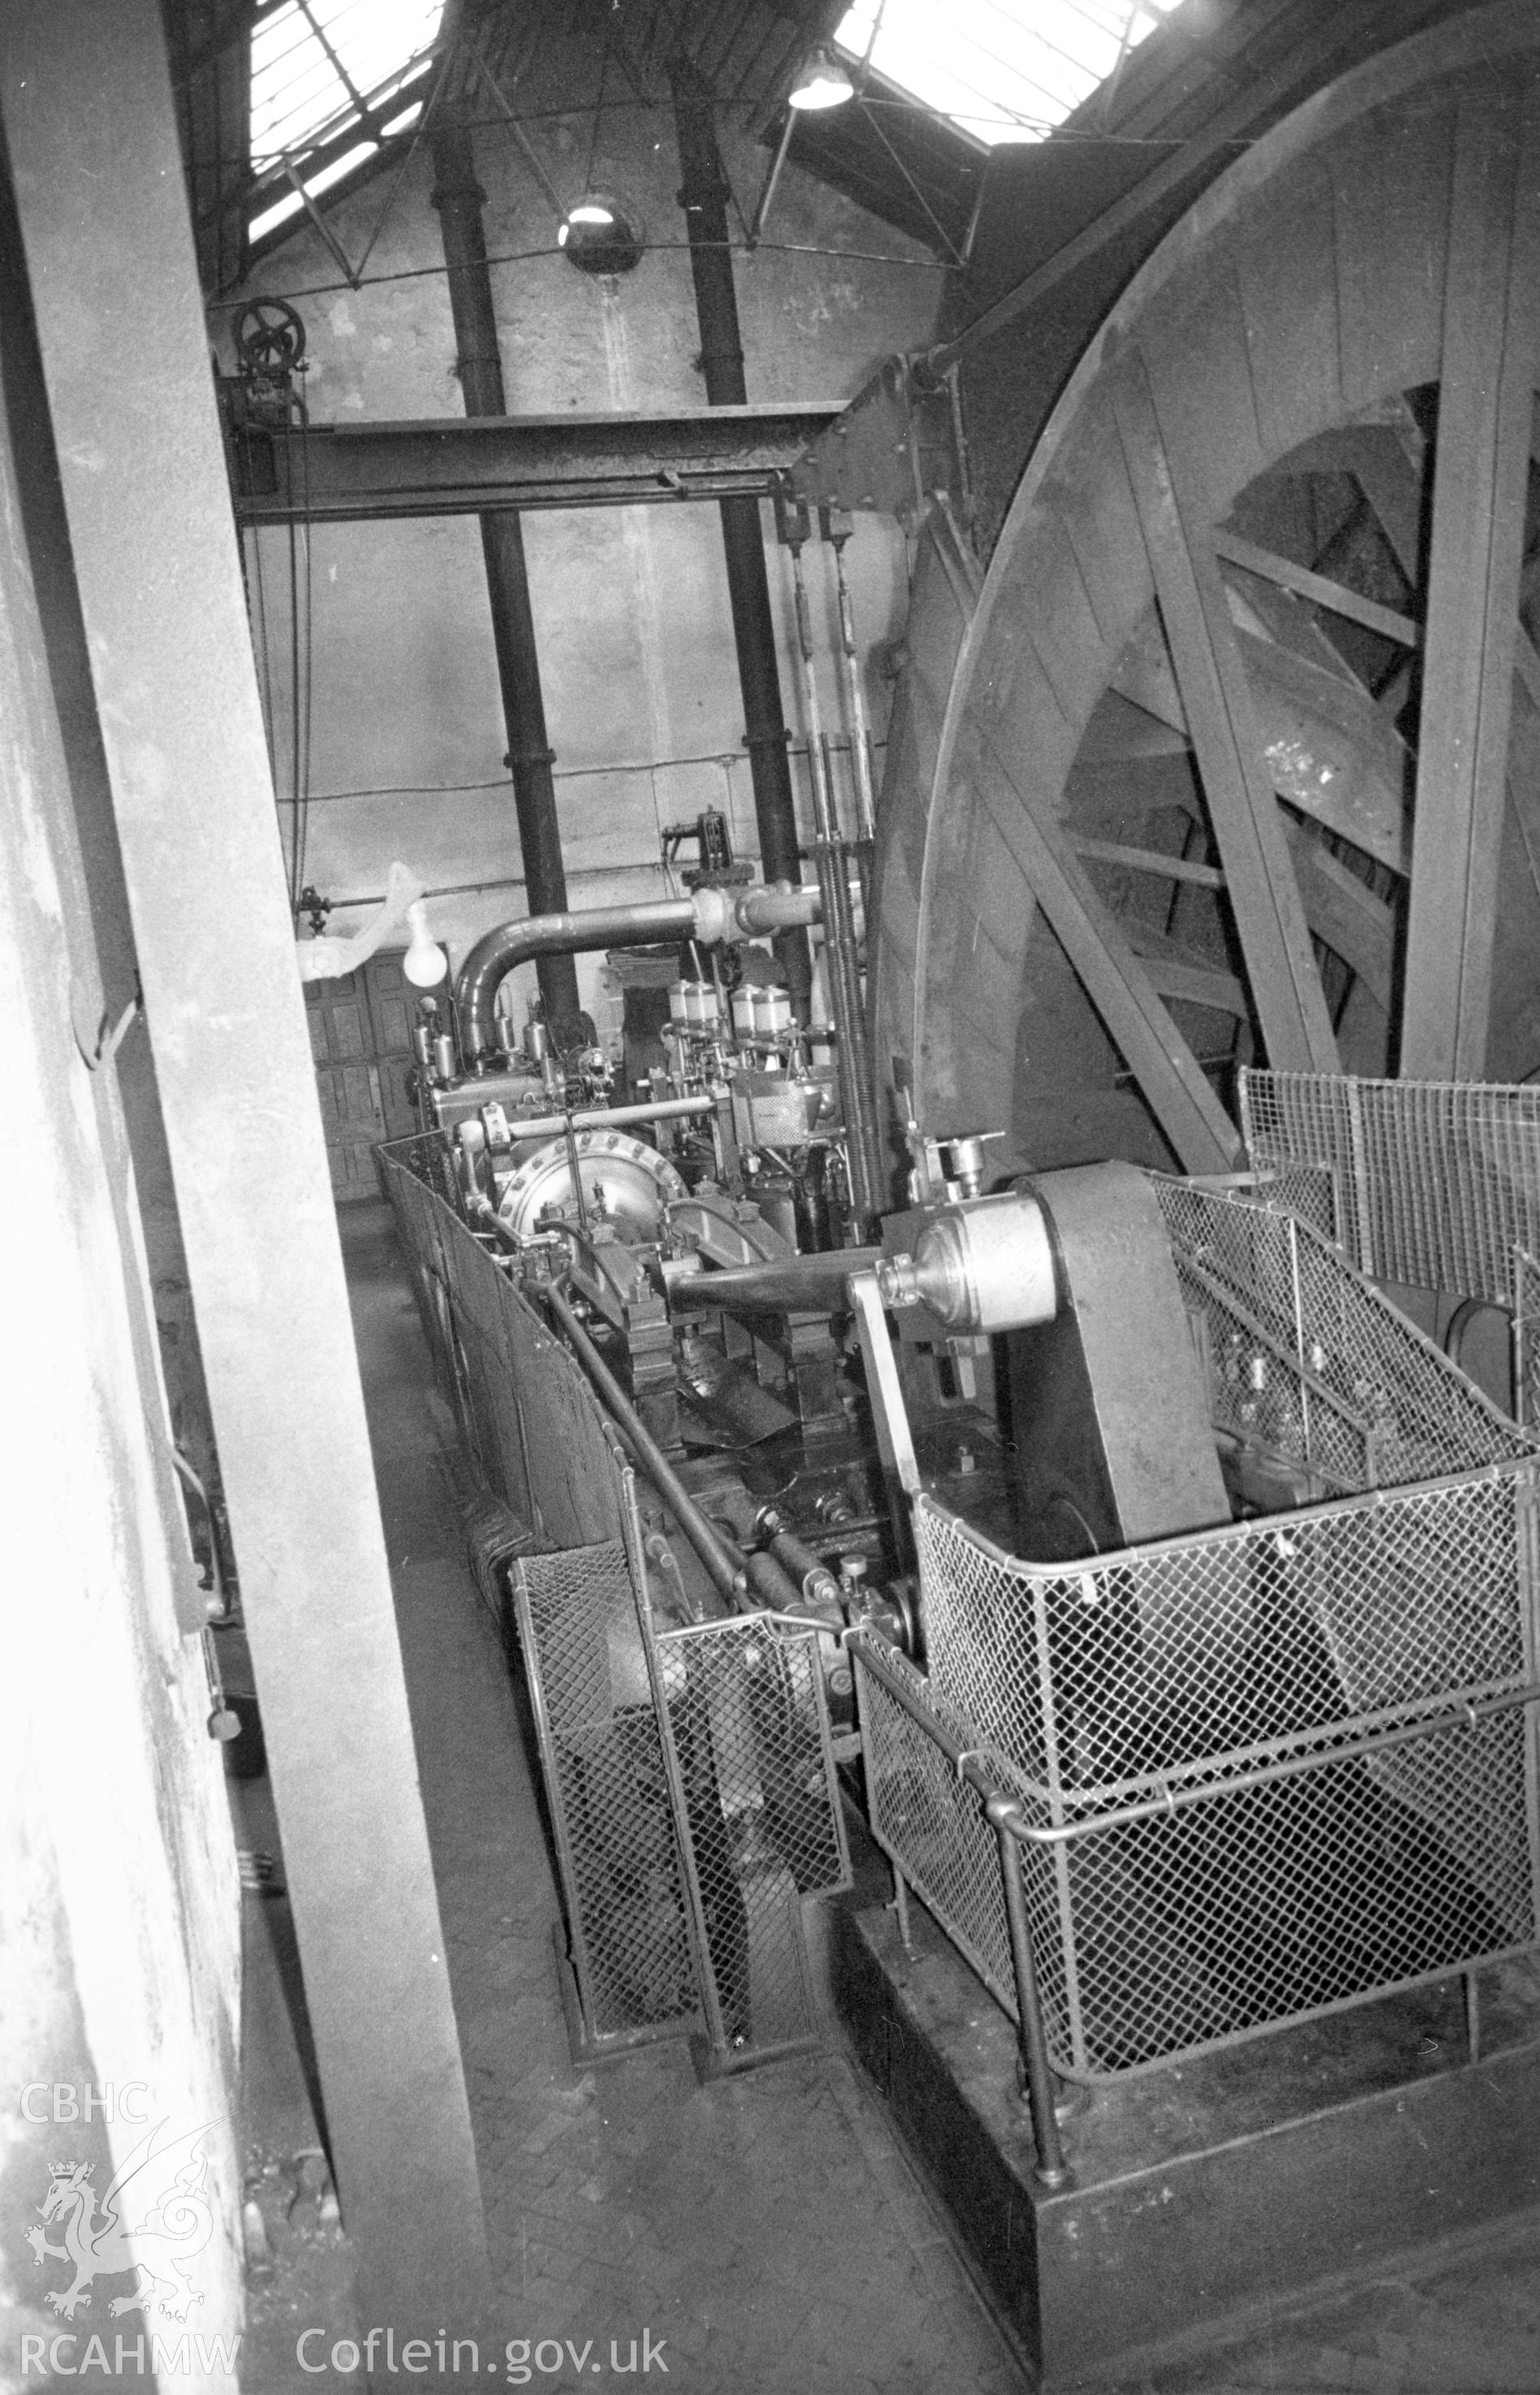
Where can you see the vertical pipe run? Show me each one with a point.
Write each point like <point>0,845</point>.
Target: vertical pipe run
<point>702,196</point>
<point>458,196</point>
<point>839,944</point>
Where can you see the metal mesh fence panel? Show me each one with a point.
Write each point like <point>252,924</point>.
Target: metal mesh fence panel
<point>1436,1183</point>
<point>745,1725</point>
<point>689,1772</point>
<point>534,1429</point>
<point>1306,1356</point>
<point>1526,1320</point>
<point>1213,1858</point>
<point>932,1825</point>
<point>607,1787</point>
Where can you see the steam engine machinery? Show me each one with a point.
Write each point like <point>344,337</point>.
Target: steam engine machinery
<point>1161,1597</point>
<point>1156,1591</point>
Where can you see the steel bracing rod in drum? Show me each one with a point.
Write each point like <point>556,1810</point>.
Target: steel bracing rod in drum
<point>1480,469</point>
<point>1118,984</point>
<point>1211,676</point>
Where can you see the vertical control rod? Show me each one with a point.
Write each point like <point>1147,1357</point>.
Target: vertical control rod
<point>458,196</point>
<point>840,940</point>
<point>836,532</point>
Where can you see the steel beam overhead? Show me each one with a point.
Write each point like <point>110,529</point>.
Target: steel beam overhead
<point>1221,719</point>
<point>92,134</point>
<point>1480,469</point>
<point>445,465</point>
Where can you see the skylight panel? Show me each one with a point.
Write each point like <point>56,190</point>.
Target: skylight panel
<point>321,69</point>
<point>999,70</point>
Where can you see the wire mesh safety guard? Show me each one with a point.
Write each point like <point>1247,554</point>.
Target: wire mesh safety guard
<point>611,1816</point>
<point>1266,1769</point>
<point>690,1782</point>
<point>532,1427</point>
<point>688,1773</point>
<point>1304,1355</point>
<point>1264,1772</point>
<point>744,1723</point>
<point>1435,1183</point>
<point>1526,1318</point>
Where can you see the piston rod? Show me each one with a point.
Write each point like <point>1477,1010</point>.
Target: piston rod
<point>786,1285</point>
<point>735,1575</point>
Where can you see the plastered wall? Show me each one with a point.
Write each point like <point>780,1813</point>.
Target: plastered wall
<point>406,735</point>
<point>119,1897</point>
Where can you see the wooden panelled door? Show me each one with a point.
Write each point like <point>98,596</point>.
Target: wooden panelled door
<point>361,1038</point>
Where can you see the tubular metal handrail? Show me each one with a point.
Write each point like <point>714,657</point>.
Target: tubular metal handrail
<point>724,1563</point>
<point>1462,1714</point>
<point>1003,1809</point>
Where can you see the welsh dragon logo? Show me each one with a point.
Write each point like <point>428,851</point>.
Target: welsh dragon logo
<point>174,2222</point>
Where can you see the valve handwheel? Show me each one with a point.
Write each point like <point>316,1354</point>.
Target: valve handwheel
<point>269,338</point>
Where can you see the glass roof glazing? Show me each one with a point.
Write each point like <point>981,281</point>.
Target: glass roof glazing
<point>999,70</point>
<point>320,69</point>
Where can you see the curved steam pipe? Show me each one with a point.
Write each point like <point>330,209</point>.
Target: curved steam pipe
<point>708,916</point>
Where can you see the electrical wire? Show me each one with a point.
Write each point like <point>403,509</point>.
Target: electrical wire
<point>301,660</point>
<point>528,257</point>
<point>598,108</point>
<point>1045,127</point>
<point>728,758</point>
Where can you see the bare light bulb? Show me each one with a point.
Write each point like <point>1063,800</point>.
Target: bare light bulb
<point>822,83</point>
<point>425,963</point>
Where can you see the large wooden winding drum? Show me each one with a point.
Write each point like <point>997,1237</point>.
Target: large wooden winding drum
<point>1235,754</point>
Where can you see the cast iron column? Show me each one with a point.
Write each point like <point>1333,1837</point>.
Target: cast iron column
<point>704,199</point>
<point>458,197</point>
